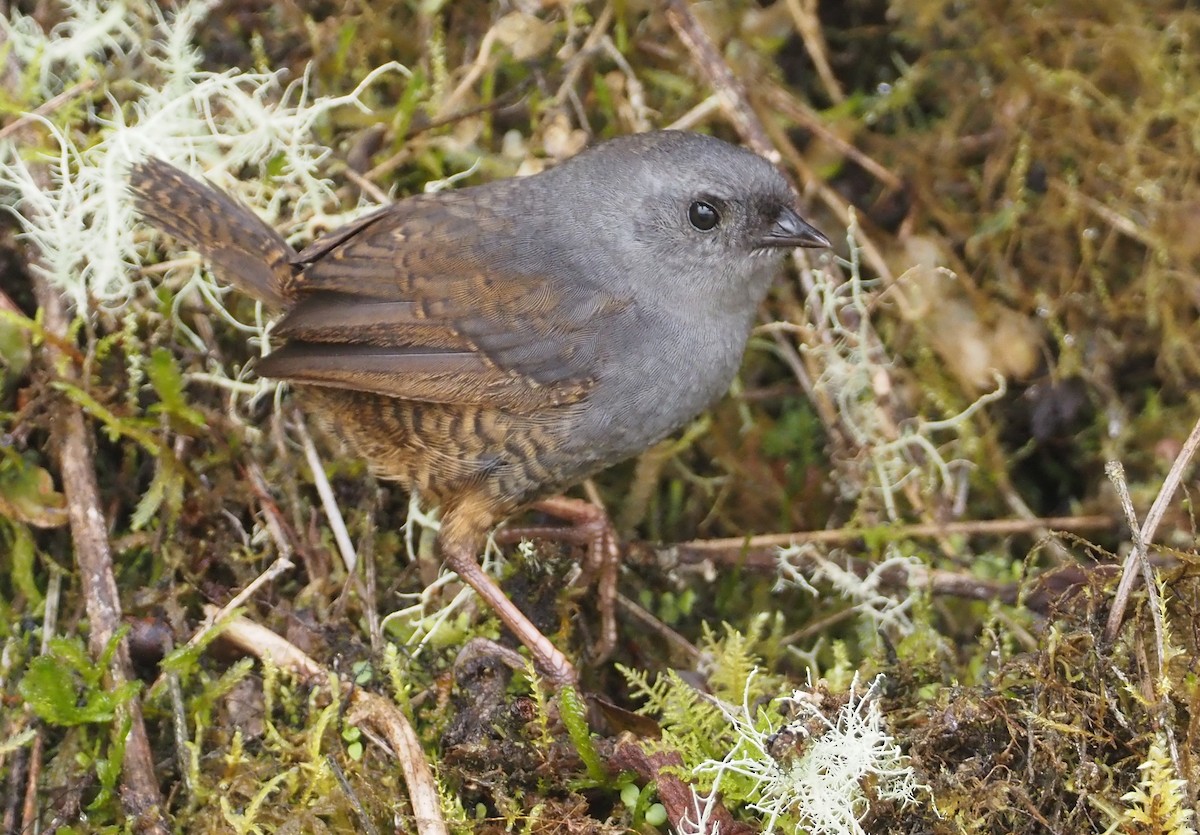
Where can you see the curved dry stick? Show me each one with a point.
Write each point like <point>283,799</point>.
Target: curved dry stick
<point>724,83</point>
<point>363,706</point>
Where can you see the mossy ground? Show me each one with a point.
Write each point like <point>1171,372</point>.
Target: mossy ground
<point>1045,154</point>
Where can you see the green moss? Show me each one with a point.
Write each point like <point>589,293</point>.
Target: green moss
<point>1053,175</point>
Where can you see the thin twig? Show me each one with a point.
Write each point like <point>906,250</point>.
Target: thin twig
<point>841,536</point>
<point>89,533</point>
<point>333,513</point>
<point>1136,559</point>
<point>782,101</point>
<point>646,619</point>
<point>29,812</point>
<point>639,112</point>
<point>406,152</point>
<point>718,74</point>
<point>697,115</point>
<point>808,25</point>
<point>364,819</point>
<point>1153,679</point>
<point>1116,474</point>
<point>478,67</point>
<point>1121,223</point>
<point>577,62</point>
<point>15,771</point>
<point>49,106</point>
<point>276,568</point>
<point>367,187</point>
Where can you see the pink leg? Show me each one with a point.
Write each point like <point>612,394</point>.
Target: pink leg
<point>463,526</point>
<point>552,663</point>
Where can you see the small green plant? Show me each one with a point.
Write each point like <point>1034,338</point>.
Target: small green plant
<point>66,687</point>
<point>574,717</point>
<point>802,761</point>
<point>1159,804</point>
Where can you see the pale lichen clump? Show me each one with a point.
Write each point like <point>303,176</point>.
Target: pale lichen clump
<point>77,214</point>
<point>805,565</point>
<point>824,787</point>
<point>859,377</point>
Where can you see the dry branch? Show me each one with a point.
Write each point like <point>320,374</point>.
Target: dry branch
<point>89,532</point>
<point>383,717</point>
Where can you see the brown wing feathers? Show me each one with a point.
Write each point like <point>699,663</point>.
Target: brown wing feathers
<point>242,249</point>
<point>389,304</point>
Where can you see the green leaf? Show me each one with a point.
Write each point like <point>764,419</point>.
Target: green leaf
<point>574,716</point>
<point>183,659</point>
<point>27,493</point>
<point>15,353</point>
<point>108,768</point>
<point>65,687</point>
<point>137,429</point>
<point>23,553</point>
<point>51,691</point>
<point>24,738</point>
<point>71,653</point>
<point>166,488</point>
<point>168,383</point>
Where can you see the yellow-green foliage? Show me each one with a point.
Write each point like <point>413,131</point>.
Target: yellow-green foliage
<point>693,722</point>
<point>1159,804</point>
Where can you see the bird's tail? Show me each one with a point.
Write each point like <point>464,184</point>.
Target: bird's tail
<point>241,248</point>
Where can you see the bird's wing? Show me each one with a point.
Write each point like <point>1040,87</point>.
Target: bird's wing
<point>439,299</point>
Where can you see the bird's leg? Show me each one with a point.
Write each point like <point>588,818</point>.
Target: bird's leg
<point>458,541</point>
<point>592,529</point>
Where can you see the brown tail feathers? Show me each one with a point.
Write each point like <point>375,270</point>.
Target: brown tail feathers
<point>242,249</point>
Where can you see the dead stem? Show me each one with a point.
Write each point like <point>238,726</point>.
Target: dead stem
<point>89,532</point>
<point>69,95</point>
<point>841,536</point>
<point>761,553</point>
<point>645,618</point>
<point>1136,561</point>
<point>383,717</point>
<point>725,84</point>
<point>808,25</point>
<point>782,101</point>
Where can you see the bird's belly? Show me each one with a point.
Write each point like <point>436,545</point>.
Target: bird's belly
<point>447,451</point>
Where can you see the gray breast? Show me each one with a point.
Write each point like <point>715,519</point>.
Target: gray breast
<point>658,377</point>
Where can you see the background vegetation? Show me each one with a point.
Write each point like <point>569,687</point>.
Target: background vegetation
<point>926,422</point>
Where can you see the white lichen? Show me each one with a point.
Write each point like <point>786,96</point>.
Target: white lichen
<point>824,786</point>
<point>73,206</point>
<point>858,378</point>
<point>803,566</point>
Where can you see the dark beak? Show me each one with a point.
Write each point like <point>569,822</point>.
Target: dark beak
<point>791,230</point>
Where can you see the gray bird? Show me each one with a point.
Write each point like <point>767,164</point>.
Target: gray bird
<point>497,344</point>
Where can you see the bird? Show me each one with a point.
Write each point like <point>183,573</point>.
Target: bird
<point>493,345</point>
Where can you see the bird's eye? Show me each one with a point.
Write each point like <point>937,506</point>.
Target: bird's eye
<point>703,216</point>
